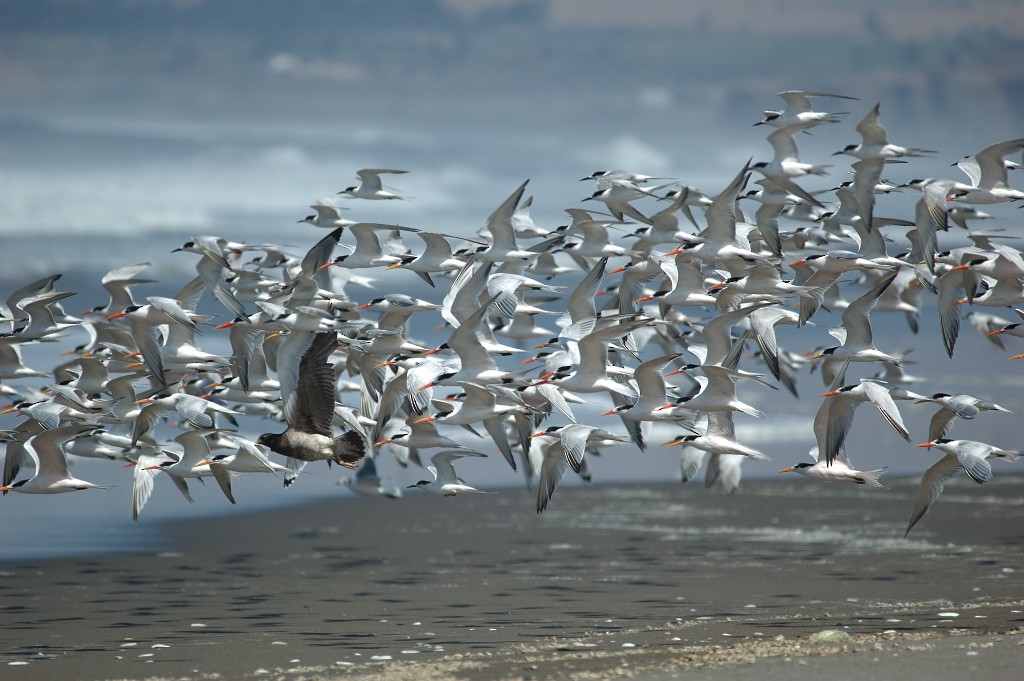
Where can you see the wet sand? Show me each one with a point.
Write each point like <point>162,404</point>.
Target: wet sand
<point>787,579</point>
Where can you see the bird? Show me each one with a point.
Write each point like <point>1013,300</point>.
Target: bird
<point>308,395</point>
<point>838,467</point>
<point>52,475</point>
<point>875,140</point>
<point>858,340</point>
<point>248,458</point>
<point>719,438</point>
<point>370,186</point>
<point>841,403</point>
<point>968,456</point>
<point>143,321</point>
<point>622,175</point>
<point>575,438</point>
<point>786,163</point>
<point>367,483</point>
<point>446,482</point>
<point>952,407</point>
<point>436,258</point>
<point>987,172</point>
<point>798,112</point>
<point>326,215</point>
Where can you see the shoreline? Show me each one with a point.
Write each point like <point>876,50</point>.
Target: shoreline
<point>661,578</point>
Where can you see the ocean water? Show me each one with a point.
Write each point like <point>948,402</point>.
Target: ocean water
<point>83,196</point>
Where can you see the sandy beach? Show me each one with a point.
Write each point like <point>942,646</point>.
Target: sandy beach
<point>639,581</point>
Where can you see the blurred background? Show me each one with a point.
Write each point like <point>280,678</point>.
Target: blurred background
<point>126,126</point>
<point>122,116</point>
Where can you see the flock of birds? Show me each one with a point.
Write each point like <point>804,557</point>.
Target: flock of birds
<point>644,312</point>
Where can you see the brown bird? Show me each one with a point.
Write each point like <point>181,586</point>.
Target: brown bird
<point>308,393</point>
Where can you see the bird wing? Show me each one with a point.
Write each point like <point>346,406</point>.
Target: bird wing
<point>972,457</point>
<point>880,397</point>
<point>871,131</point>
<point>551,471</point>
<point>48,447</point>
<point>932,483</point>
<point>721,214</point>
<point>992,171</point>
<point>950,288</point>
<point>370,177</point>
<point>857,316</point>
<point>443,463</point>
<point>307,381</point>
<point>717,336</point>
<point>783,143</point>
<point>499,224</point>
<point>650,380</point>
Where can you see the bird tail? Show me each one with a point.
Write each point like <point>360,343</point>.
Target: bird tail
<point>870,478</point>
<point>349,449</point>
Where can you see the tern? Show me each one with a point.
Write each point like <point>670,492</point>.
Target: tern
<point>326,215</point>
<point>446,482</point>
<point>875,140</point>
<point>575,439</point>
<point>786,164</point>
<point>958,455</point>
<point>367,483</point>
<point>841,403</point>
<point>248,458</point>
<point>370,186</point>
<point>52,475</point>
<point>798,112</point>
<point>951,407</point>
<point>858,343</point>
<point>988,175</point>
<point>719,438</point>
<point>143,321</point>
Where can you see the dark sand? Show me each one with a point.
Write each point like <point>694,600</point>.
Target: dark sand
<point>788,579</point>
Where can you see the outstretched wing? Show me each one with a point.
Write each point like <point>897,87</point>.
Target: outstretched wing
<point>310,408</point>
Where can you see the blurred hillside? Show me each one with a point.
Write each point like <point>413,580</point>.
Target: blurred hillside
<point>506,60</point>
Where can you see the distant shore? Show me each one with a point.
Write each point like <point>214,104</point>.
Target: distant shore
<point>788,579</point>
